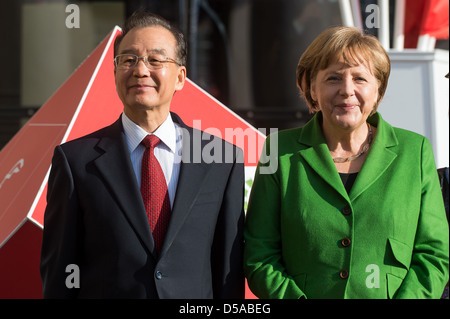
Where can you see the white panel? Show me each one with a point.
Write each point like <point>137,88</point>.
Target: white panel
<point>417,97</point>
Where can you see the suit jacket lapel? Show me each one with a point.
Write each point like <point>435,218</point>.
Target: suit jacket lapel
<point>192,174</point>
<point>115,166</point>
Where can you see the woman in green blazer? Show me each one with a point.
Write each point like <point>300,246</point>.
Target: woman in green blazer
<point>354,208</point>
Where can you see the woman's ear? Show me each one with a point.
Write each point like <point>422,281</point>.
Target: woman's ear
<point>312,91</point>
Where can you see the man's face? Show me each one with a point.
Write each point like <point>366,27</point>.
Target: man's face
<point>143,89</point>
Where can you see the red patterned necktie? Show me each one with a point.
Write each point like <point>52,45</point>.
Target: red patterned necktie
<point>154,191</point>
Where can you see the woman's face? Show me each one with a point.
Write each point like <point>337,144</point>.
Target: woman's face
<point>345,94</point>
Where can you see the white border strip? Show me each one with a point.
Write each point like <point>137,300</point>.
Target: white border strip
<point>69,129</point>
<point>88,88</point>
<point>13,232</point>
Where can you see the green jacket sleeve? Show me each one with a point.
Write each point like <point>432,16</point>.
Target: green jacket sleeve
<point>429,268</point>
<point>263,261</point>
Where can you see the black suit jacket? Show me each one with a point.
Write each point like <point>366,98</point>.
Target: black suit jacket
<point>95,219</point>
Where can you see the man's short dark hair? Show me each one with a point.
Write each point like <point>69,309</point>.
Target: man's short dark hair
<point>142,19</point>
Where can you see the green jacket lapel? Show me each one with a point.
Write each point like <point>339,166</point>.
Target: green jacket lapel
<point>380,157</point>
<point>317,154</point>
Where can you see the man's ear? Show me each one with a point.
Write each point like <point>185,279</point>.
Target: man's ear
<point>181,78</point>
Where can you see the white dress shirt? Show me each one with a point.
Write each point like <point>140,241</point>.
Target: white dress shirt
<point>168,152</point>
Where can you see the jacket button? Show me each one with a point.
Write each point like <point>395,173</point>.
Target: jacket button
<point>346,210</point>
<point>343,274</point>
<point>158,275</point>
<point>346,242</point>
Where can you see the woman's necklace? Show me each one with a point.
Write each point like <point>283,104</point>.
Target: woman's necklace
<point>364,149</point>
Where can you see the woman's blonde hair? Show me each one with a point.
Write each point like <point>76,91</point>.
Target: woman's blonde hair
<point>349,44</point>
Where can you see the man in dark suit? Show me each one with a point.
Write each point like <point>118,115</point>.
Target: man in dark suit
<point>97,219</point>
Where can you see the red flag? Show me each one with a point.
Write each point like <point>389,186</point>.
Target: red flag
<point>425,17</point>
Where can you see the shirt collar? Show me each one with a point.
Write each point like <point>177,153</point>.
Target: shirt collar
<point>166,132</point>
